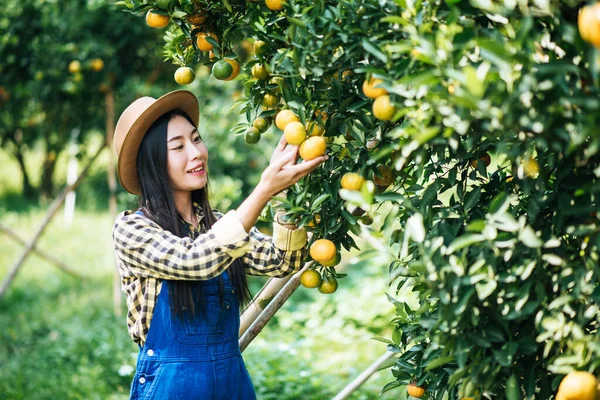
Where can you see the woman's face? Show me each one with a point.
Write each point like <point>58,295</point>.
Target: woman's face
<point>187,156</point>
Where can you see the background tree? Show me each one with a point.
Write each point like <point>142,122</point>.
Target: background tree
<point>57,65</point>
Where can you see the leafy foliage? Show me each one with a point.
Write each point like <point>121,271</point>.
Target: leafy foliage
<point>492,216</point>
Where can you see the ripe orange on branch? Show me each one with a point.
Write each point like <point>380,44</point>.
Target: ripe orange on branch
<point>202,43</point>
<point>323,250</point>
<point>156,20</point>
<point>313,147</point>
<point>295,133</point>
<point>383,109</point>
<point>415,391</point>
<point>274,5</point>
<point>578,385</point>
<point>316,128</point>
<point>184,75</point>
<point>284,117</point>
<point>588,22</point>
<point>371,91</point>
<point>352,181</point>
<point>236,68</point>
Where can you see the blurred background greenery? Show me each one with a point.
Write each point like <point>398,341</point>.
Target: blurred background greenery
<point>59,336</point>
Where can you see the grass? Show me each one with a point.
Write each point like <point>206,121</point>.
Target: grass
<point>60,338</point>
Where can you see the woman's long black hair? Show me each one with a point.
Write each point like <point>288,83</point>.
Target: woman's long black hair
<point>158,204</point>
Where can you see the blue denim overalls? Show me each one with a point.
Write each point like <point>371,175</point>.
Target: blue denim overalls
<point>194,359</point>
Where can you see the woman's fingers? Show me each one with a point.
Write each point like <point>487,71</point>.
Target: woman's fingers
<point>282,143</point>
<point>286,158</point>
<point>306,167</point>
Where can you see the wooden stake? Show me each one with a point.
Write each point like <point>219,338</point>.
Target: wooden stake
<point>48,257</point>
<point>260,301</point>
<point>54,207</point>
<point>362,378</point>
<point>275,304</point>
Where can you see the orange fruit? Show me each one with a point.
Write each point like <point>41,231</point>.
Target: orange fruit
<point>74,67</point>
<point>310,279</point>
<point>274,5</point>
<point>222,70</point>
<point>196,19</point>
<point>270,100</point>
<point>260,71</point>
<point>156,20</point>
<point>578,385</point>
<point>323,250</point>
<point>260,47</point>
<point>313,147</point>
<point>352,181</point>
<point>328,285</point>
<point>236,68</point>
<point>588,22</point>
<point>314,221</point>
<point>531,167</point>
<point>316,128</point>
<point>383,109</point>
<point>332,263</point>
<point>202,43</point>
<point>261,124</point>
<point>284,117</point>
<point>485,157</point>
<point>371,91</point>
<point>384,176</point>
<point>252,135</point>
<point>415,391</point>
<point>97,64</point>
<point>295,133</point>
<point>184,75</point>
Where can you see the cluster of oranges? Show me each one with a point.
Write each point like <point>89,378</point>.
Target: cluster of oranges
<point>383,109</point>
<point>225,69</point>
<point>325,253</point>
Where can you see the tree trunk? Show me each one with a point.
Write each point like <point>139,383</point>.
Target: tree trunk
<point>48,166</point>
<point>28,189</point>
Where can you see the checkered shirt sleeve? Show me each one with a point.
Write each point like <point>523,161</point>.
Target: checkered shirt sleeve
<point>146,250</point>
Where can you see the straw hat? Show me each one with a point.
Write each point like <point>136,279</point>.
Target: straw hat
<point>133,124</point>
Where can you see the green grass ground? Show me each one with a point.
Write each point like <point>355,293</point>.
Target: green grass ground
<point>61,340</point>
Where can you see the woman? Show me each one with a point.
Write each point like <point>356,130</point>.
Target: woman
<point>183,266</point>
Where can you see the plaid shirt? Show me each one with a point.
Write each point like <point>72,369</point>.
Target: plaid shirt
<point>147,254</point>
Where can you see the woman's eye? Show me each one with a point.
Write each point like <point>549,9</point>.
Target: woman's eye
<point>179,147</point>
<point>197,139</point>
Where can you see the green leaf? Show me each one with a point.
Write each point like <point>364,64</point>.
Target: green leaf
<point>438,362</point>
<point>387,363</point>
<point>528,237</point>
<point>371,48</point>
<point>464,241</point>
<point>484,290</point>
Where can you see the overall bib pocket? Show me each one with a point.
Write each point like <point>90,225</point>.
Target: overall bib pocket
<point>208,328</point>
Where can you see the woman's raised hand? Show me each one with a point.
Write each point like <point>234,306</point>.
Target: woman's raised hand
<point>283,171</point>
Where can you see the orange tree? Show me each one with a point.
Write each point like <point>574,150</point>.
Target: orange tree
<point>57,63</point>
<point>475,125</point>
